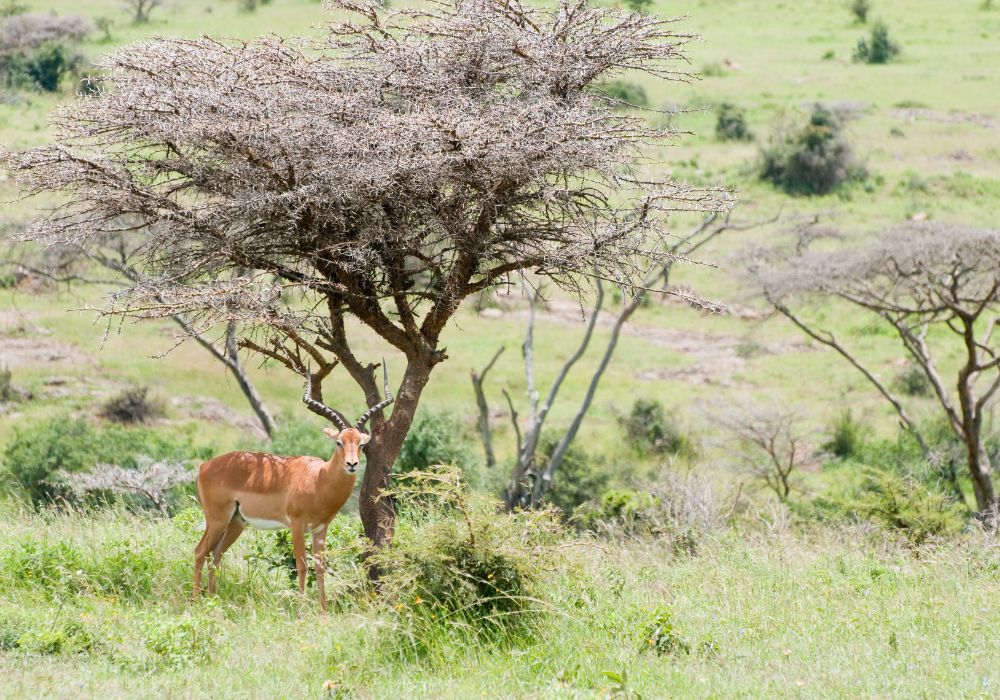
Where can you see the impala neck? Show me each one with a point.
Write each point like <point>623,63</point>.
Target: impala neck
<point>335,473</point>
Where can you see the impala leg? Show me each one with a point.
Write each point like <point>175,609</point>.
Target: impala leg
<point>319,558</point>
<point>233,531</point>
<point>299,547</point>
<point>214,532</point>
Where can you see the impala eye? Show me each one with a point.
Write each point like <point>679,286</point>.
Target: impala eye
<point>339,443</point>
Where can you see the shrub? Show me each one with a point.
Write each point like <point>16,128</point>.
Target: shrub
<point>177,641</point>
<point>878,48</point>
<point>132,405</point>
<point>436,438</point>
<point>913,382</point>
<point>848,436</point>
<point>36,49</point>
<point>860,9</point>
<point>37,454</point>
<point>460,571</point>
<point>639,5</point>
<point>815,160</point>
<point>297,437</point>
<point>660,634</point>
<point>578,479</point>
<point>624,92</point>
<point>150,479</point>
<point>731,124</point>
<point>45,66</point>
<point>651,431</point>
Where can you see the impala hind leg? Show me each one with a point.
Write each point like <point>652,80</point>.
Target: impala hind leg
<point>299,547</point>
<point>233,531</point>
<point>215,530</point>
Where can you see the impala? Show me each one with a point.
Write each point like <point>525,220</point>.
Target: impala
<point>269,491</point>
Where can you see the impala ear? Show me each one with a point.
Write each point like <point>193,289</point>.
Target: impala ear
<point>331,433</point>
<point>365,437</point>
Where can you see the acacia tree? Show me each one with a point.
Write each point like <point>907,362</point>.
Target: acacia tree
<point>411,158</point>
<point>931,283</point>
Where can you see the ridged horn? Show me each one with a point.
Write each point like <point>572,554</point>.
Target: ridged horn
<point>389,398</point>
<point>321,409</point>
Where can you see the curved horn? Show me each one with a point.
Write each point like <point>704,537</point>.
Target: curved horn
<point>320,408</point>
<point>389,398</point>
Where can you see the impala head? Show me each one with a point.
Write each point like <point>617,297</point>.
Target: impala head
<point>349,441</point>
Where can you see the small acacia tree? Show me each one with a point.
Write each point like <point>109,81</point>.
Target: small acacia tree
<point>938,287</point>
<point>410,159</point>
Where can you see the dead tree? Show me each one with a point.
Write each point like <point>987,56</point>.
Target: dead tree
<point>925,281</point>
<point>140,9</point>
<point>411,158</point>
<point>771,443</point>
<point>529,480</point>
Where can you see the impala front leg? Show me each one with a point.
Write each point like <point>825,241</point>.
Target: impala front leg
<point>299,547</point>
<point>319,560</point>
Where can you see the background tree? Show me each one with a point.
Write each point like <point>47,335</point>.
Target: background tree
<point>411,158</point>
<point>140,9</point>
<point>926,281</point>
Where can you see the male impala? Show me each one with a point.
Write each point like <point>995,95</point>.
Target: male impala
<point>268,491</point>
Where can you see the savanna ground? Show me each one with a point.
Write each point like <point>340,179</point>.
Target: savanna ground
<point>756,598</point>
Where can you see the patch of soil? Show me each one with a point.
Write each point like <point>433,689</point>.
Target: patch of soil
<point>20,351</point>
<point>952,117</point>
<point>214,411</point>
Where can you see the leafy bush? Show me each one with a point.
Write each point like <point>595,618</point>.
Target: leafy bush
<point>36,49</point>
<point>579,478</point>
<point>815,160</point>
<point>899,502</point>
<point>59,636</point>
<point>177,641</point>
<point>297,437</point>
<point>132,405</point>
<point>661,636</point>
<point>913,382</point>
<point>458,570</point>
<point>651,431</point>
<point>624,92</point>
<point>36,455</point>
<point>860,9</point>
<point>436,438</point>
<point>731,123</point>
<point>848,436</point>
<point>878,48</point>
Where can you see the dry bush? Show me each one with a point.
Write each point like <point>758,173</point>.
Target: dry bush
<point>29,31</point>
<point>133,405</point>
<point>150,478</point>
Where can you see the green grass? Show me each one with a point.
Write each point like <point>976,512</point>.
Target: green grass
<point>833,614</point>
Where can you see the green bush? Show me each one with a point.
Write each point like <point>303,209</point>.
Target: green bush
<point>878,48</point>
<point>860,9</point>
<point>42,68</point>
<point>849,436</point>
<point>177,641</point>
<point>460,571</point>
<point>623,507</point>
<point>731,123</point>
<point>813,161</point>
<point>901,503</point>
<point>436,438</point>
<point>912,381</point>
<point>624,92</point>
<point>651,431</point>
<point>578,479</point>
<point>660,634</point>
<point>36,454</point>
<point>297,437</point>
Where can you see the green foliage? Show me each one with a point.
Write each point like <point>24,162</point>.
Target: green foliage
<point>849,435</point>
<point>60,636</point>
<point>37,453</point>
<point>878,48</point>
<point>622,91</point>
<point>912,381</point>
<point>435,438</point>
<point>297,437</point>
<point>622,506</point>
<point>177,641</point>
<point>651,431</point>
<point>639,5</point>
<point>133,405</point>
<point>42,68</point>
<point>901,503</point>
<point>460,570</point>
<point>860,10</point>
<point>813,161</point>
<point>660,634</point>
<point>579,478</point>
<point>125,569</point>
<point>731,123</point>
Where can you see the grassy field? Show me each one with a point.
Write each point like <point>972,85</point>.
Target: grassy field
<point>768,604</point>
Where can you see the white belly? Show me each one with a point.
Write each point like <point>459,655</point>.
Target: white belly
<point>265,524</point>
